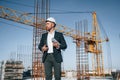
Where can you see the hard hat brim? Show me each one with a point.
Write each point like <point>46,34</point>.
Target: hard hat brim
<point>50,21</point>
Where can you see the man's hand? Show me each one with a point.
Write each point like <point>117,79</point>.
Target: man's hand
<point>56,44</point>
<point>44,48</point>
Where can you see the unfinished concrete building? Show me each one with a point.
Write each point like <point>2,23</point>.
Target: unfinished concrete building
<point>13,70</point>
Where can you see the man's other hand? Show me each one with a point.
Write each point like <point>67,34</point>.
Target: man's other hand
<point>56,44</point>
<point>44,48</point>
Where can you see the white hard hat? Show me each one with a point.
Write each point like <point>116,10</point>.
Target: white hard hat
<point>51,19</point>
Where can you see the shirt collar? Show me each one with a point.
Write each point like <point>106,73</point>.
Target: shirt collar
<point>52,32</point>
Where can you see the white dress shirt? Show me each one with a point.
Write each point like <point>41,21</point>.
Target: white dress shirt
<point>49,41</point>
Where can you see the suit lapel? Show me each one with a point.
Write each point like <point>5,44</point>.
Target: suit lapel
<point>55,35</point>
<point>46,38</point>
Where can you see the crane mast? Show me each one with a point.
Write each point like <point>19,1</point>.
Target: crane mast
<point>96,49</point>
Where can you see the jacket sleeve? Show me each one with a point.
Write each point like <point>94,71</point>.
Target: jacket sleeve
<point>41,44</point>
<point>63,44</point>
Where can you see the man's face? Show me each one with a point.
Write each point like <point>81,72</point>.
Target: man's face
<point>49,26</point>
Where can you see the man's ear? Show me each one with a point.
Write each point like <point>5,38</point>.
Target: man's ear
<point>53,24</point>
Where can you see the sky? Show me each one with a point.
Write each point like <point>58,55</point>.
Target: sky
<point>16,37</point>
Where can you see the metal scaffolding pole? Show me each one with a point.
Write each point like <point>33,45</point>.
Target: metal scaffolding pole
<point>81,55</point>
<point>41,6</point>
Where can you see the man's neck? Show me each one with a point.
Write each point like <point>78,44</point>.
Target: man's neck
<point>51,31</point>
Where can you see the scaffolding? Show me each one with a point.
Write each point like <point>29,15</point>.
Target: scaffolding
<point>82,63</point>
<point>41,6</point>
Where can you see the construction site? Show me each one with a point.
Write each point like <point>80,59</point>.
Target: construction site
<point>88,41</point>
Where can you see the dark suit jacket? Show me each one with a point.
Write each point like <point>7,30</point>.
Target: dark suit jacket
<point>56,52</point>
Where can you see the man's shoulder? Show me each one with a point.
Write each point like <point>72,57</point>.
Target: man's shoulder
<point>58,33</point>
<point>45,33</point>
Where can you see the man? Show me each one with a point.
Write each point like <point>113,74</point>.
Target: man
<point>51,45</point>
